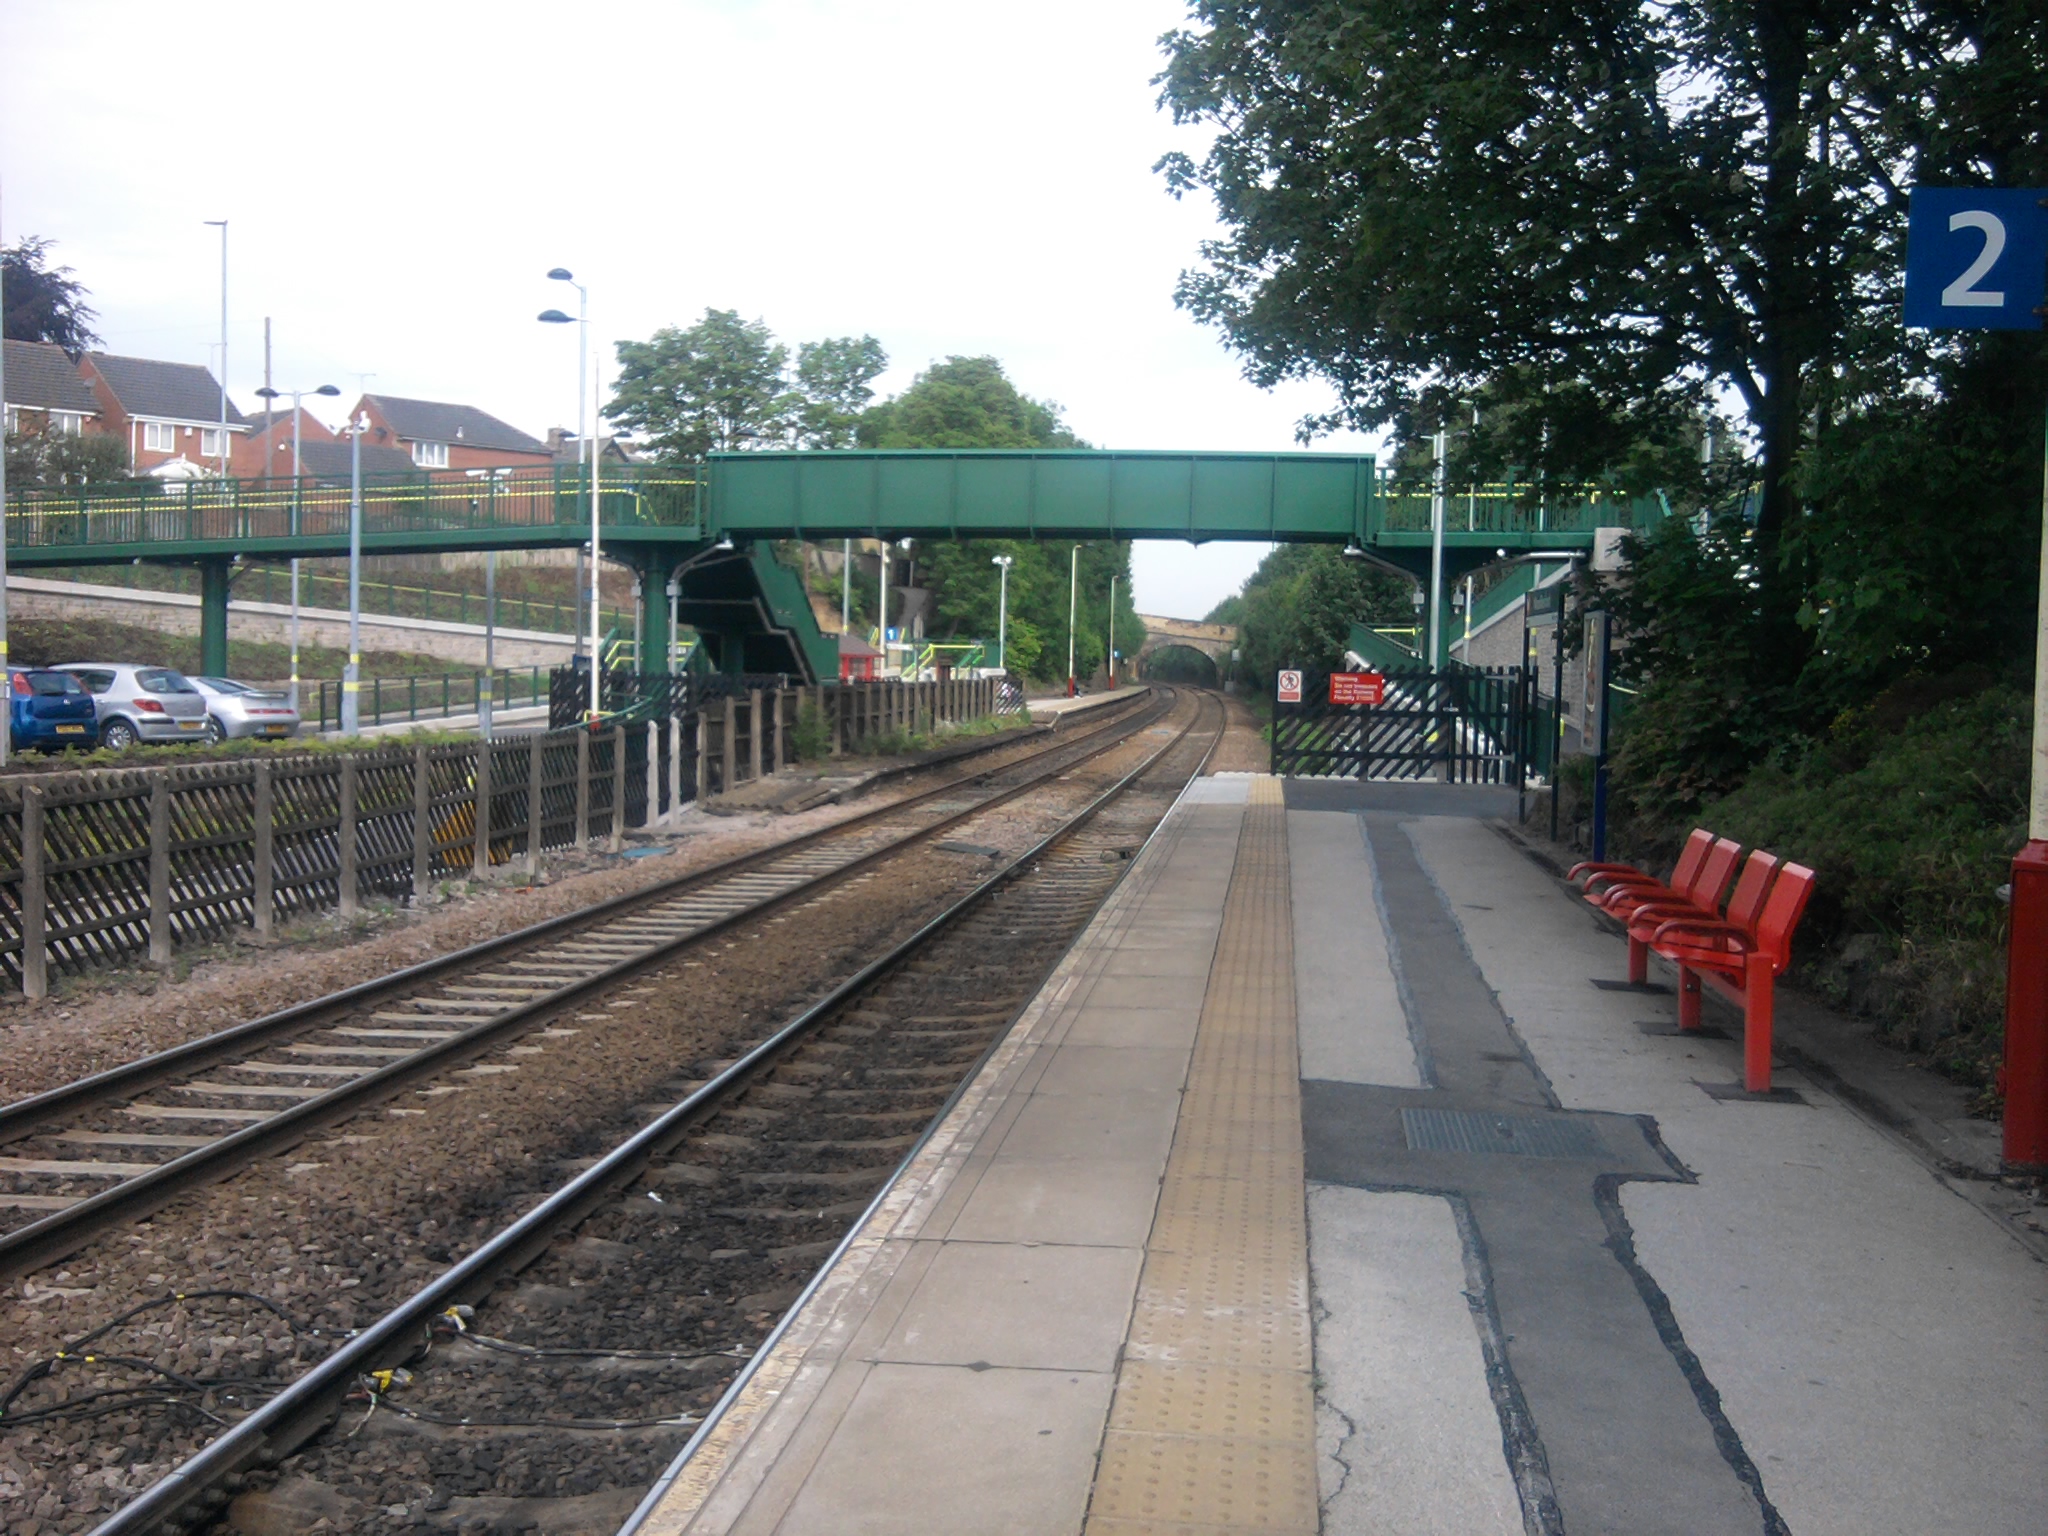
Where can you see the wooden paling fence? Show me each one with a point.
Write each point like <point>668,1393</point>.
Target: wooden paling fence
<point>102,865</point>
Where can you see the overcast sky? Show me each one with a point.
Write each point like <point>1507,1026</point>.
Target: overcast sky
<point>951,178</point>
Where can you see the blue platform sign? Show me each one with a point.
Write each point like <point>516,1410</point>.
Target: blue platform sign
<point>1976,258</point>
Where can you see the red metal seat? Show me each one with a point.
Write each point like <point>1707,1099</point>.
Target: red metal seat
<point>1605,876</point>
<point>1741,962</point>
<point>1745,903</point>
<point>1701,898</point>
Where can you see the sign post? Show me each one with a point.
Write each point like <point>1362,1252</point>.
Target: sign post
<point>1593,720</point>
<point>1977,259</point>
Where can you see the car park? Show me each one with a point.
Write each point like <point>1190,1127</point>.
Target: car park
<point>49,711</point>
<point>137,703</point>
<point>236,709</point>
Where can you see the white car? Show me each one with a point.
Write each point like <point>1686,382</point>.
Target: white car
<point>239,709</point>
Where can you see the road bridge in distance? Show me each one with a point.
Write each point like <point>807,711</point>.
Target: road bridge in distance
<point>669,523</point>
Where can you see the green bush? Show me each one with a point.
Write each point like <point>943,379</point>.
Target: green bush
<point>1909,809</point>
<point>812,737</point>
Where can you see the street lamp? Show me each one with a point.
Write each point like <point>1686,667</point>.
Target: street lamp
<point>1003,564</point>
<point>351,675</point>
<point>221,442</point>
<point>585,446</point>
<point>1073,595</point>
<point>267,393</point>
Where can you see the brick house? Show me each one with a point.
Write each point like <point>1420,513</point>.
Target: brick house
<point>437,435</point>
<point>267,449</point>
<point>45,395</point>
<point>165,411</point>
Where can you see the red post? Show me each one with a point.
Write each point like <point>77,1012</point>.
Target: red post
<point>1759,1007</point>
<point>1688,998</point>
<point>2023,1078</point>
<point>1638,961</point>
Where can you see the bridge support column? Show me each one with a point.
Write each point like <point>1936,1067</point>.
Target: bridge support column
<point>656,608</point>
<point>213,617</point>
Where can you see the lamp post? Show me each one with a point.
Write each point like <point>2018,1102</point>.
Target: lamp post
<point>1073,596</point>
<point>1436,551</point>
<point>1003,564</point>
<point>298,471</point>
<point>586,448</point>
<point>1112,634</point>
<point>882,624</point>
<point>351,675</point>
<point>221,442</point>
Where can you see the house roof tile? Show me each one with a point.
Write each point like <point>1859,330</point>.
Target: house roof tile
<point>42,378</point>
<point>174,391</point>
<point>437,421</point>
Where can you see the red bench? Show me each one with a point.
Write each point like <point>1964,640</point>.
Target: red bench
<point>1601,878</point>
<point>1698,882</point>
<point>1739,956</point>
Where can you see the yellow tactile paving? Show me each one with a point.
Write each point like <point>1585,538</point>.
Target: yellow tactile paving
<point>1213,1422</point>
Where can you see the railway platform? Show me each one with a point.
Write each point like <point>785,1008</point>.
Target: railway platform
<point>1322,1188</point>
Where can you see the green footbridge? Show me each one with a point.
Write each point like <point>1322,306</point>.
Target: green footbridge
<point>676,525</point>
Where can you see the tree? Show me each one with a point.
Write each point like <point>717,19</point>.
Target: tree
<point>834,385</point>
<point>43,302</point>
<point>965,402</point>
<point>717,386</point>
<point>34,459</point>
<point>1298,607</point>
<point>1600,211</point>
<point>970,402</point>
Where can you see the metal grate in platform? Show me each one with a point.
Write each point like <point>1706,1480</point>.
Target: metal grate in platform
<point>1463,1130</point>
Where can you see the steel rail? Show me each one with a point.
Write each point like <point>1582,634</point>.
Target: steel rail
<point>53,1237</point>
<point>23,1116</point>
<point>755,1361</point>
<point>308,1404</point>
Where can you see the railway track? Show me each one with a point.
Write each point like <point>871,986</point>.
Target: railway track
<point>517,1390</point>
<point>108,1149</point>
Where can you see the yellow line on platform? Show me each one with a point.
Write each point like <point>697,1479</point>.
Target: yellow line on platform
<point>1213,1423</point>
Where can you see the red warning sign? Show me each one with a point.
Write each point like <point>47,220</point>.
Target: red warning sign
<point>1290,687</point>
<point>1357,688</point>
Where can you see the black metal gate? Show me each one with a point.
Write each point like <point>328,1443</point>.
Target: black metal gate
<point>1462,725</point>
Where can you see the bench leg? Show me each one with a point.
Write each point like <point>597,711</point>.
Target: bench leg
<point>1688,998</point>
<point>1758,1005</point>
<point>1638,961</point>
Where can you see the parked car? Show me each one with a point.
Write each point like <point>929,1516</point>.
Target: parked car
<point>238,709</point>
<point>141,703</point>
<point>50,711</point>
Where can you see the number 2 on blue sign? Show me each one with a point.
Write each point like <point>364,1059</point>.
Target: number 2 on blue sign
<point>1976,258</point>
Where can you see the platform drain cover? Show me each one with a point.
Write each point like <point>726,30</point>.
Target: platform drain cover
<point>1461,1130</point>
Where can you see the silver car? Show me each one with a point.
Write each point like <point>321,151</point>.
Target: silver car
<point>239,709</point>
<point>135,703</point>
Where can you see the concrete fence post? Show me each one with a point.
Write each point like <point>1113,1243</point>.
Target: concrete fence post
<point>264,824</point>
<point>838,697</point>
<point>651,762</point>
<point>345,834</point>
<point>480,858</point>
<point>582,787</point>
<point>160,869</point>
<point>35,897</point>
<point>535,814</point>
<point>618,837</point>
<point>422,823</point>
<point>703,752</point>
<point>728,742</point>
<point>753,733</point>
<point>782,710</point>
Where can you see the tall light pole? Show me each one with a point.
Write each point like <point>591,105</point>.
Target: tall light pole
<point>1436,551</point>
<point>351,675</point>
<point>222,441</point>
<point>1073,611</point>
<point>846,586</point>
<point>882,624</point>
<point>1112,632</point>
<point>1003,564</point>
<point>587,449</point>
<point>298,483</point>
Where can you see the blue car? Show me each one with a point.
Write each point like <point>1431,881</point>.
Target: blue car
<point>50,711</point>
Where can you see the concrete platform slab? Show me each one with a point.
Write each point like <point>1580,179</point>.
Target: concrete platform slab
<point>1387,1221</point>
